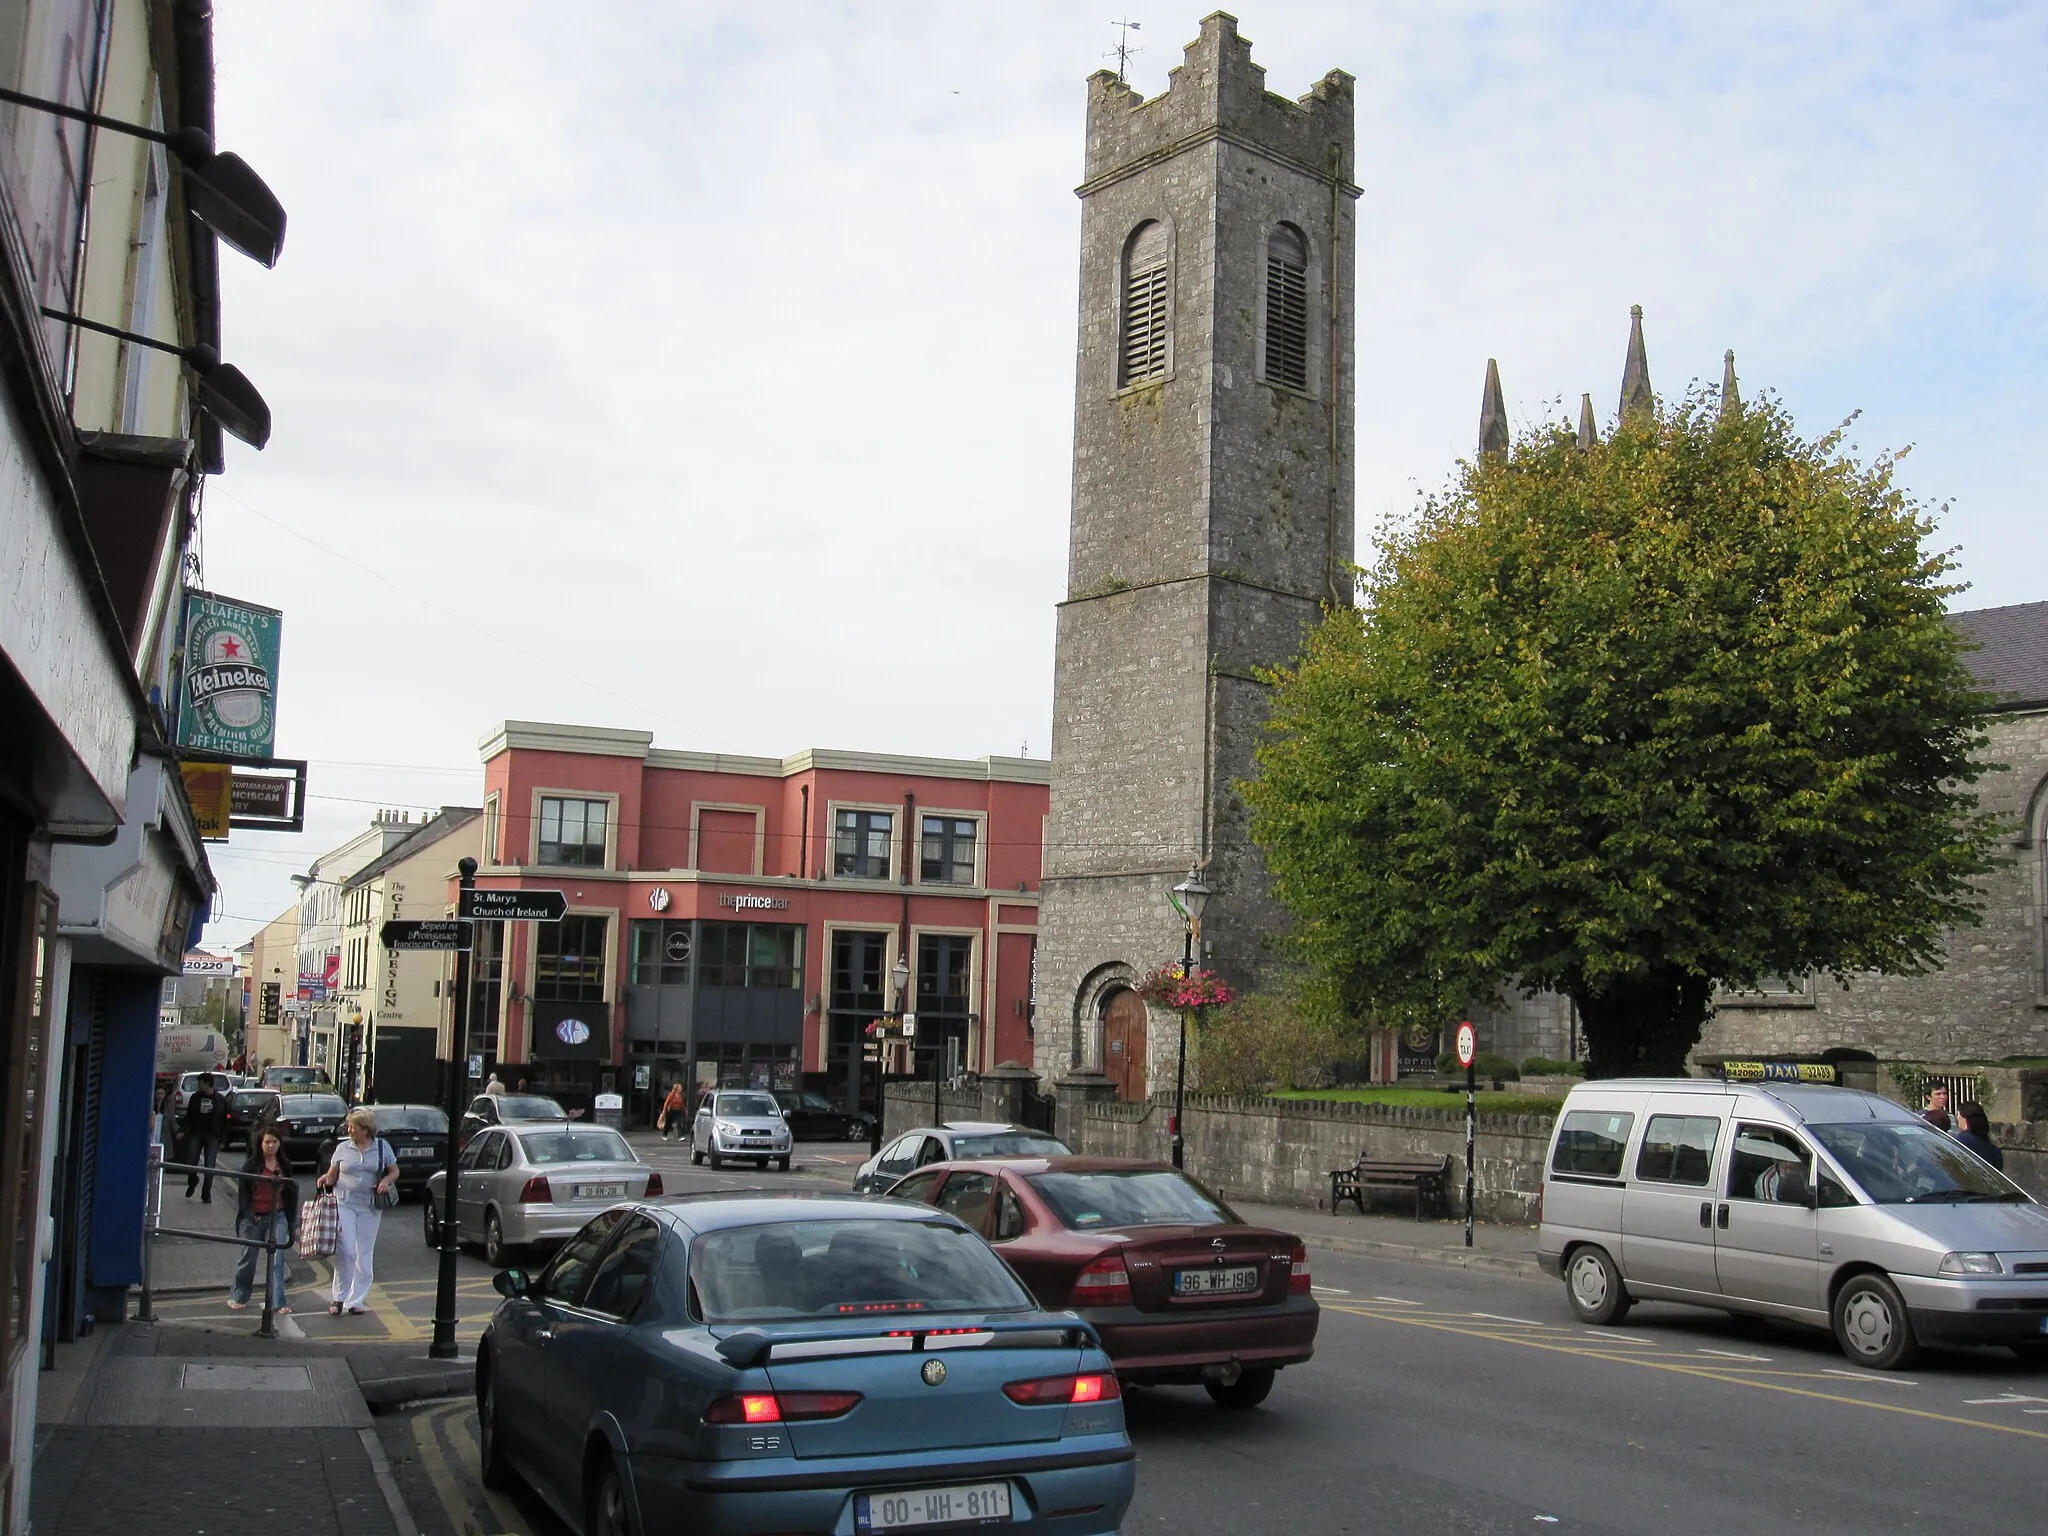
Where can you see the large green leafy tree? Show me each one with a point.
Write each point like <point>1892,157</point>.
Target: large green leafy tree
<point>1630,721</point>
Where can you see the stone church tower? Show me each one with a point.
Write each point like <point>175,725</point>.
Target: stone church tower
<point>1212,522</point>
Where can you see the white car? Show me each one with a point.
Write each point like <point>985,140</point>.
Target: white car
<point>740,1122</point>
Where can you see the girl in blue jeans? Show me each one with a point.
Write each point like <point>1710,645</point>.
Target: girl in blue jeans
<point>265,1209</point>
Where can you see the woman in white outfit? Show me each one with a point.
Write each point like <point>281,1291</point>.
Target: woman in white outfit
<point>363,1168</point>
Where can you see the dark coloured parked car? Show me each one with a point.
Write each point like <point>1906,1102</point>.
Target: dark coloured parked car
<point>418,1134</point>
<point>1179,1287</point>
<point>813,1117</point>
<point>246,1107</point>
<point>307,1120</point>
<point>957,1141</point>
<point>751,1364</point>
<point>503,1109</point>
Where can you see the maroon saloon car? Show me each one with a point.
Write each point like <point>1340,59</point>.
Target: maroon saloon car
<point>1180,1288</point>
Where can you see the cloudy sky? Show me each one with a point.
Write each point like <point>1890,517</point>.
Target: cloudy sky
<point>708,368</point>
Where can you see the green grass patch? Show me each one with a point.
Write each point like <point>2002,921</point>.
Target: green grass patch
<point>1430,1098</point>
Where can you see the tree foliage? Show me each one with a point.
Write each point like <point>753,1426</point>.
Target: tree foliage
<point>1629,722</point>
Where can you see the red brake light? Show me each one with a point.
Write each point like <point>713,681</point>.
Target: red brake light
<point>1298,1283</point>
<point>653,1185</point>
<point>537,1191</point>
<point>1104,1283</point>
<point>780,1408</point>
<point>1064,1389</point>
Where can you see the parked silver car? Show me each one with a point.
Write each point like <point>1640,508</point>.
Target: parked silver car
<point>958,1141</point>
<point>1816,1204</point>
<point>518,1186</point>
<point>740,1122</point>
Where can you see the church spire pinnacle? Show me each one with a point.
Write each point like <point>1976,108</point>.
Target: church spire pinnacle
<point>1638,402</point>
<point>1493,414</point>
<point>1731,397</point>
<point>1589,431</point>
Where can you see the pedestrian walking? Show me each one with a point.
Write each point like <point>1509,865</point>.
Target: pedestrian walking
<point>494,1088</point>
<point>363,1173</point>
<point>671,1118</point>
<point>1976,1133</point>
<point>264,1210</point>
<point>1936,1113</point>
<point>206,1116</point>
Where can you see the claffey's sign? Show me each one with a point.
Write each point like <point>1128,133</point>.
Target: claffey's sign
<point>227,687</point>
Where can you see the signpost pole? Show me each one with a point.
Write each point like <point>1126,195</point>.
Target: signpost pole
<point>443,1347</point>
<point>1468,1058</point>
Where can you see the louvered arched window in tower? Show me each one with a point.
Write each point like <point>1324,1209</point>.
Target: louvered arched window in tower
<point>1287,308</point>
<point>1143,354</point>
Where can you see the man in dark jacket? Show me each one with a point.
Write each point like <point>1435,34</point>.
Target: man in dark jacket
<point>1975,1133</point>
<point>206,1118</point>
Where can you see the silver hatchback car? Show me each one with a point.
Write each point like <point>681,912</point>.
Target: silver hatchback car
<point>527,1184</point>
<point>1815,1204</point>
<point>740,1122</point>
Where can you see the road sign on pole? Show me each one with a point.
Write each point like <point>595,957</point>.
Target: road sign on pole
<point>513,906</point>
<point>428,933</point>
<point>1468,1054</point>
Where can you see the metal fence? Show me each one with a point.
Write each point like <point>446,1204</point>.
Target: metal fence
<point>153,1228</point>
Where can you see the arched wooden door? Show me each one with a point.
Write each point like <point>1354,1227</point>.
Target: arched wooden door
<point>1123,1045</point>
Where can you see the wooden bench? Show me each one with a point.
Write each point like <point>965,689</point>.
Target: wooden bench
<point>1428,1178</point>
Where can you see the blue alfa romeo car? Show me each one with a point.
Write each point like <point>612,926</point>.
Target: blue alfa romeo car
<point>735,1364</point>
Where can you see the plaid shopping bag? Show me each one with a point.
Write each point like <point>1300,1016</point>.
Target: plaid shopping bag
<point>319,1227</point>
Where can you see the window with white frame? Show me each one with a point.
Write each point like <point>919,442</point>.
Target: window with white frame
<point>1287,307</point>
<point>860,844</point>
<point>572,831</point>
<point>946,850</point>
<point>1145,295</point>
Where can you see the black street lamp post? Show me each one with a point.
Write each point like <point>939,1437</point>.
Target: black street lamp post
<point>900,974</point>
<point>1193,897</point>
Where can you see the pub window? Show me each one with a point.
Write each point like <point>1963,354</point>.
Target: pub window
<point>1287,308</point>
<point>661,954</point>
<point>1143,354</point>
<point>572,831</point>
<point>568,962</point>
<point>860,845</point>
<point>947,855</point>
<point>750,955</point>
<point>945,964</point>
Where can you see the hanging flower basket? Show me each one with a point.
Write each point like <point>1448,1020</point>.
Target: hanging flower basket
<point>1170,987</point>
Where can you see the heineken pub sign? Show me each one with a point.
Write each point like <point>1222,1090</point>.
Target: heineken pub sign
<point>227,686</point>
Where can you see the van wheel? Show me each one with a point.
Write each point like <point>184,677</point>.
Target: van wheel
<point>1871,1324</point>
<point>1594,1286</point>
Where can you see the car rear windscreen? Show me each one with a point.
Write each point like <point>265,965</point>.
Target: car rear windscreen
<point>1138,1197</point>
<point>411,1117</point>
<point>847,1269</point>
<point>313,1106</point>
<point>546,1148</point>
<point>1008,1144</point>
<point>515,1106</point>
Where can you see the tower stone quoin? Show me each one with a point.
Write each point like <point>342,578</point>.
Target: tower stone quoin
<point>1212,520</point>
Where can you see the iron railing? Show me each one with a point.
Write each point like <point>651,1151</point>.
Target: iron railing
<point>154,1228</point>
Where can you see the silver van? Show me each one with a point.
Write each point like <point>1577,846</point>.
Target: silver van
<point>1816,1204</point>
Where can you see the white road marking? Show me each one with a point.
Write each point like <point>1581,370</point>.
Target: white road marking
<point>1495,1317</point>
<point>2003,1398</point>
<point>1397,1301</point>
<point>1882,1381</point>
<point>1329,1290</point>
<point>1729,1354</point>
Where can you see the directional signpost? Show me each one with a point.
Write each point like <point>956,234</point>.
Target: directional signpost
<point>433,933</point>
<point>1468,1054</point>
<point>513,906</point>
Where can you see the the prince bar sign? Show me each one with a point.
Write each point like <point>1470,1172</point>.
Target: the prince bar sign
<point>227,689</point>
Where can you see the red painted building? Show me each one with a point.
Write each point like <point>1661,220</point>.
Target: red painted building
<point>739,919</point>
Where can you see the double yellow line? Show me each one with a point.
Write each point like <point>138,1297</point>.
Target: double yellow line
<point>1626,1351</point>
<point>444,1438</point>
